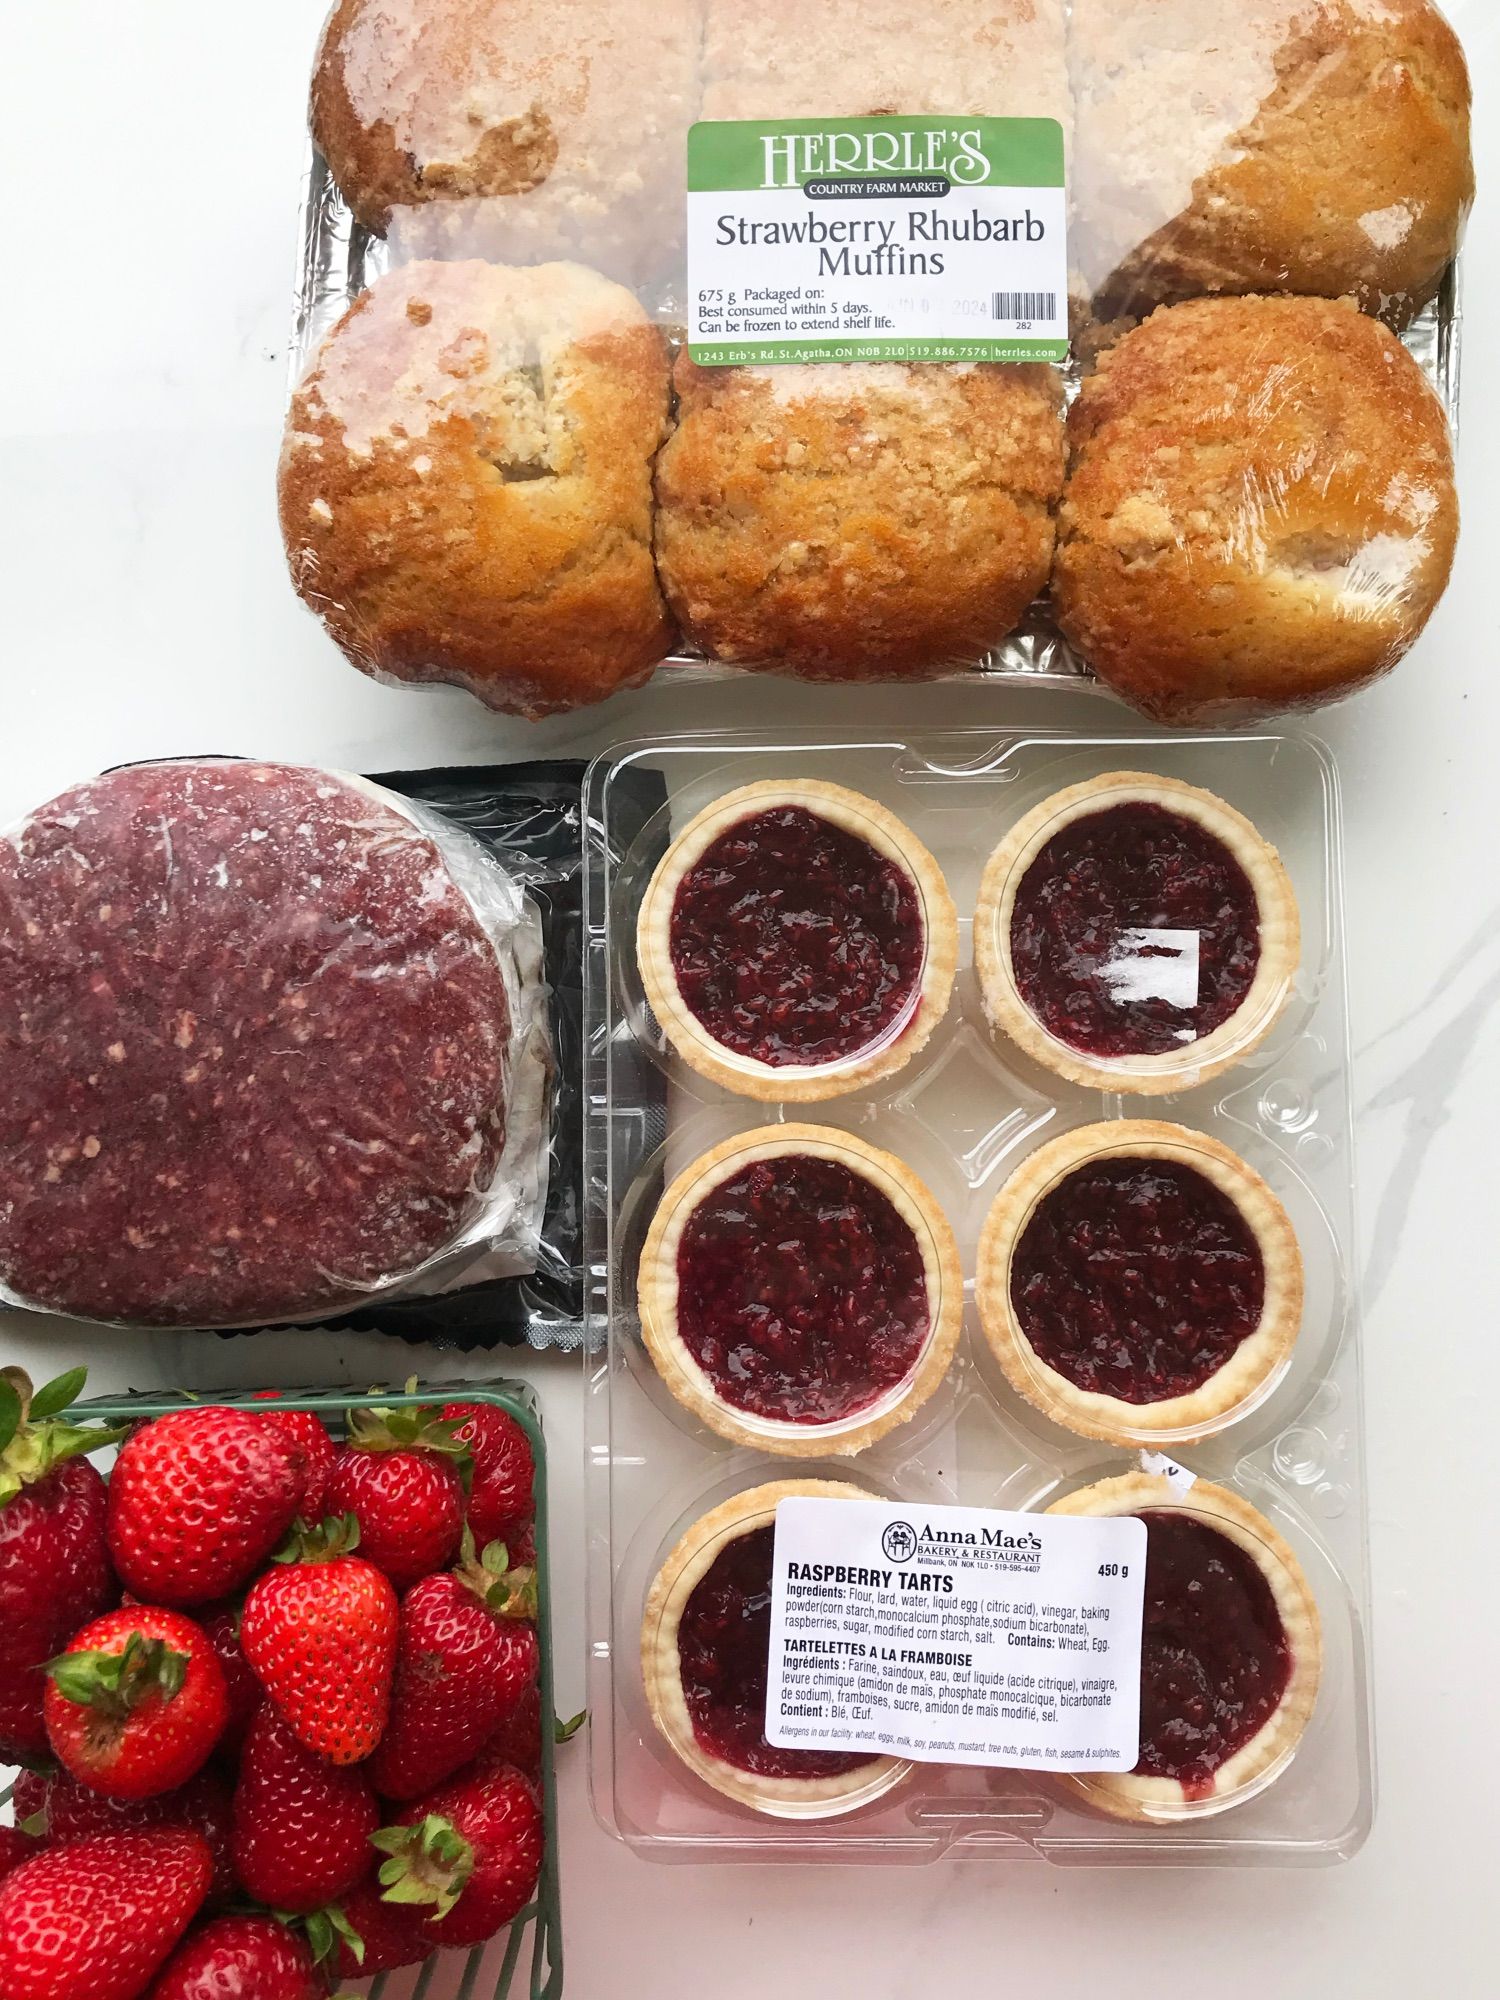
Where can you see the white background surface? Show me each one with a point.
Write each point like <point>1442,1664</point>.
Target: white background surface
<point>152,152</point>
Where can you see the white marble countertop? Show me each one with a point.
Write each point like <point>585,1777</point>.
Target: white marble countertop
<point>154,153</point>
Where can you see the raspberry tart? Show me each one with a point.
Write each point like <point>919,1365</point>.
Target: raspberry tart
<point>1231,1651</point>
<point>705,1643</point>
<point>797,942</point>
<point>1138,1282</point>
<point>1137,934</point>
<point>800,1291</point>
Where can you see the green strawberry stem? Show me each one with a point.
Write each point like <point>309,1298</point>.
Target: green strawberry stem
<point>414,1427</point>
<point>325,1930</point>
<point>564,1732</point>
<point>509,1593</point>
<point>33,1442</point>
<point>430,1862</point>
<point>117,1683</point>
<point>319,1541</point>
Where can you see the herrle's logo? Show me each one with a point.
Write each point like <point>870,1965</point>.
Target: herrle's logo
<point>790,158</point>
<point>899,1541</point>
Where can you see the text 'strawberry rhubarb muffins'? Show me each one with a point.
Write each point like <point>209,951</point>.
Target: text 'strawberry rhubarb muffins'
<point>800,1291</point>
<point>797,942</point>
<point>1138,1281</point>
<point>1231,1651</point>
<point>1134,933</point>
<point>705,1645</point>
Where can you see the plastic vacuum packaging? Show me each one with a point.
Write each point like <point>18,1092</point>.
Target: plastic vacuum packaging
<point>711,337</point>
<point>1005,1168</point>
<point>273,1045</point>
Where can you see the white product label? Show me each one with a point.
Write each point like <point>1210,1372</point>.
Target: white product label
<point>1161,1467</point>
<point>1154,965</point>
<point>877,239</point>
<point>957,1635</point>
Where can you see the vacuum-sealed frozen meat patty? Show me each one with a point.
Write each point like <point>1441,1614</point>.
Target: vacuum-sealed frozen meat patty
<point>254,1044</point>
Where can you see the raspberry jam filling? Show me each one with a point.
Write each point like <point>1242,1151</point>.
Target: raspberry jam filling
<point>723,1646</point>
<point>1214,1656</point>
<point>795,942</point>
<point>1081,954</point>
<point>1136,1279</point>
<point>801,1290</point>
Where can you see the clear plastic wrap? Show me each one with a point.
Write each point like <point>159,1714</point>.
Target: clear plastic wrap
<point>275,1045</point>
<point>1266,1445</point>
<point>858,518</point>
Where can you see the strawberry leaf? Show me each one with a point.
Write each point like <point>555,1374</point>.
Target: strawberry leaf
<point>57,1395</point>
<point>509,1593</point>
<point>412,1427</point>
<point>11,1408</point>
<point>322,1541</point>
<point>564,1732</point>
<point>325,1930</point>
<point>118,1683</point>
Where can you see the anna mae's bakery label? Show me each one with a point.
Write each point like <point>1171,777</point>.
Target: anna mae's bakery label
<point>877,239</point>
<point>957,1635</point>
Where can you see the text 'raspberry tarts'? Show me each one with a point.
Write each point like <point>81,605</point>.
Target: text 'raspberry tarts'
<point>800,1291</point>
<point>1137,1281</point>
<point>1231,1651</point>
<point>797,942</point>
<point>1135,933</point>
<point>705,1650</point>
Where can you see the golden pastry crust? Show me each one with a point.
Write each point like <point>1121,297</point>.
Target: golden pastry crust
<point>869,821</point>
<point>686,1566</point>
<point>1248,1374</point>
<point>783,59</point>
<point>465,483</point>
<point>568,124</point>
<point>916,1206</point>
<point>859,522</point>
<point>1145,1075</point>
<point>1122,1794</point>
<point>1260,511</point>
<point>1317,146</point>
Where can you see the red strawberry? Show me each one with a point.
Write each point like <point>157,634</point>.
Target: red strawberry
<point>401,1476</point>
<point>136,1704</point>
<point>391,1934</point>
<point>240,1958</point>
<point>16,1847</point>
<point>467,1655</point>
<point>94,1921</point>
<point>202,1806</point>
<point>472,1849</point>
<point>320,1632</point>
<point>54,1560</point>
<point>309,1436</point>
<point>518,1740</point>
<point>301,1827</point>
<point>197,1502</point>
<point>222,1624</point>
<point>500,1493</point>
<point>28,1795</point>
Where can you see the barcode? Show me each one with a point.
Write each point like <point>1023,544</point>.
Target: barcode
<point>1025,305</point>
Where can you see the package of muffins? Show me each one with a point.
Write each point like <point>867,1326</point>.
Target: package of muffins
<point>974,1462</point>
<point>859,341</point>
<point>275,1048</point>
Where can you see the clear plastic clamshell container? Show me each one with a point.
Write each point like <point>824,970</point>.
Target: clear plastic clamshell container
<point>963,1115</point>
